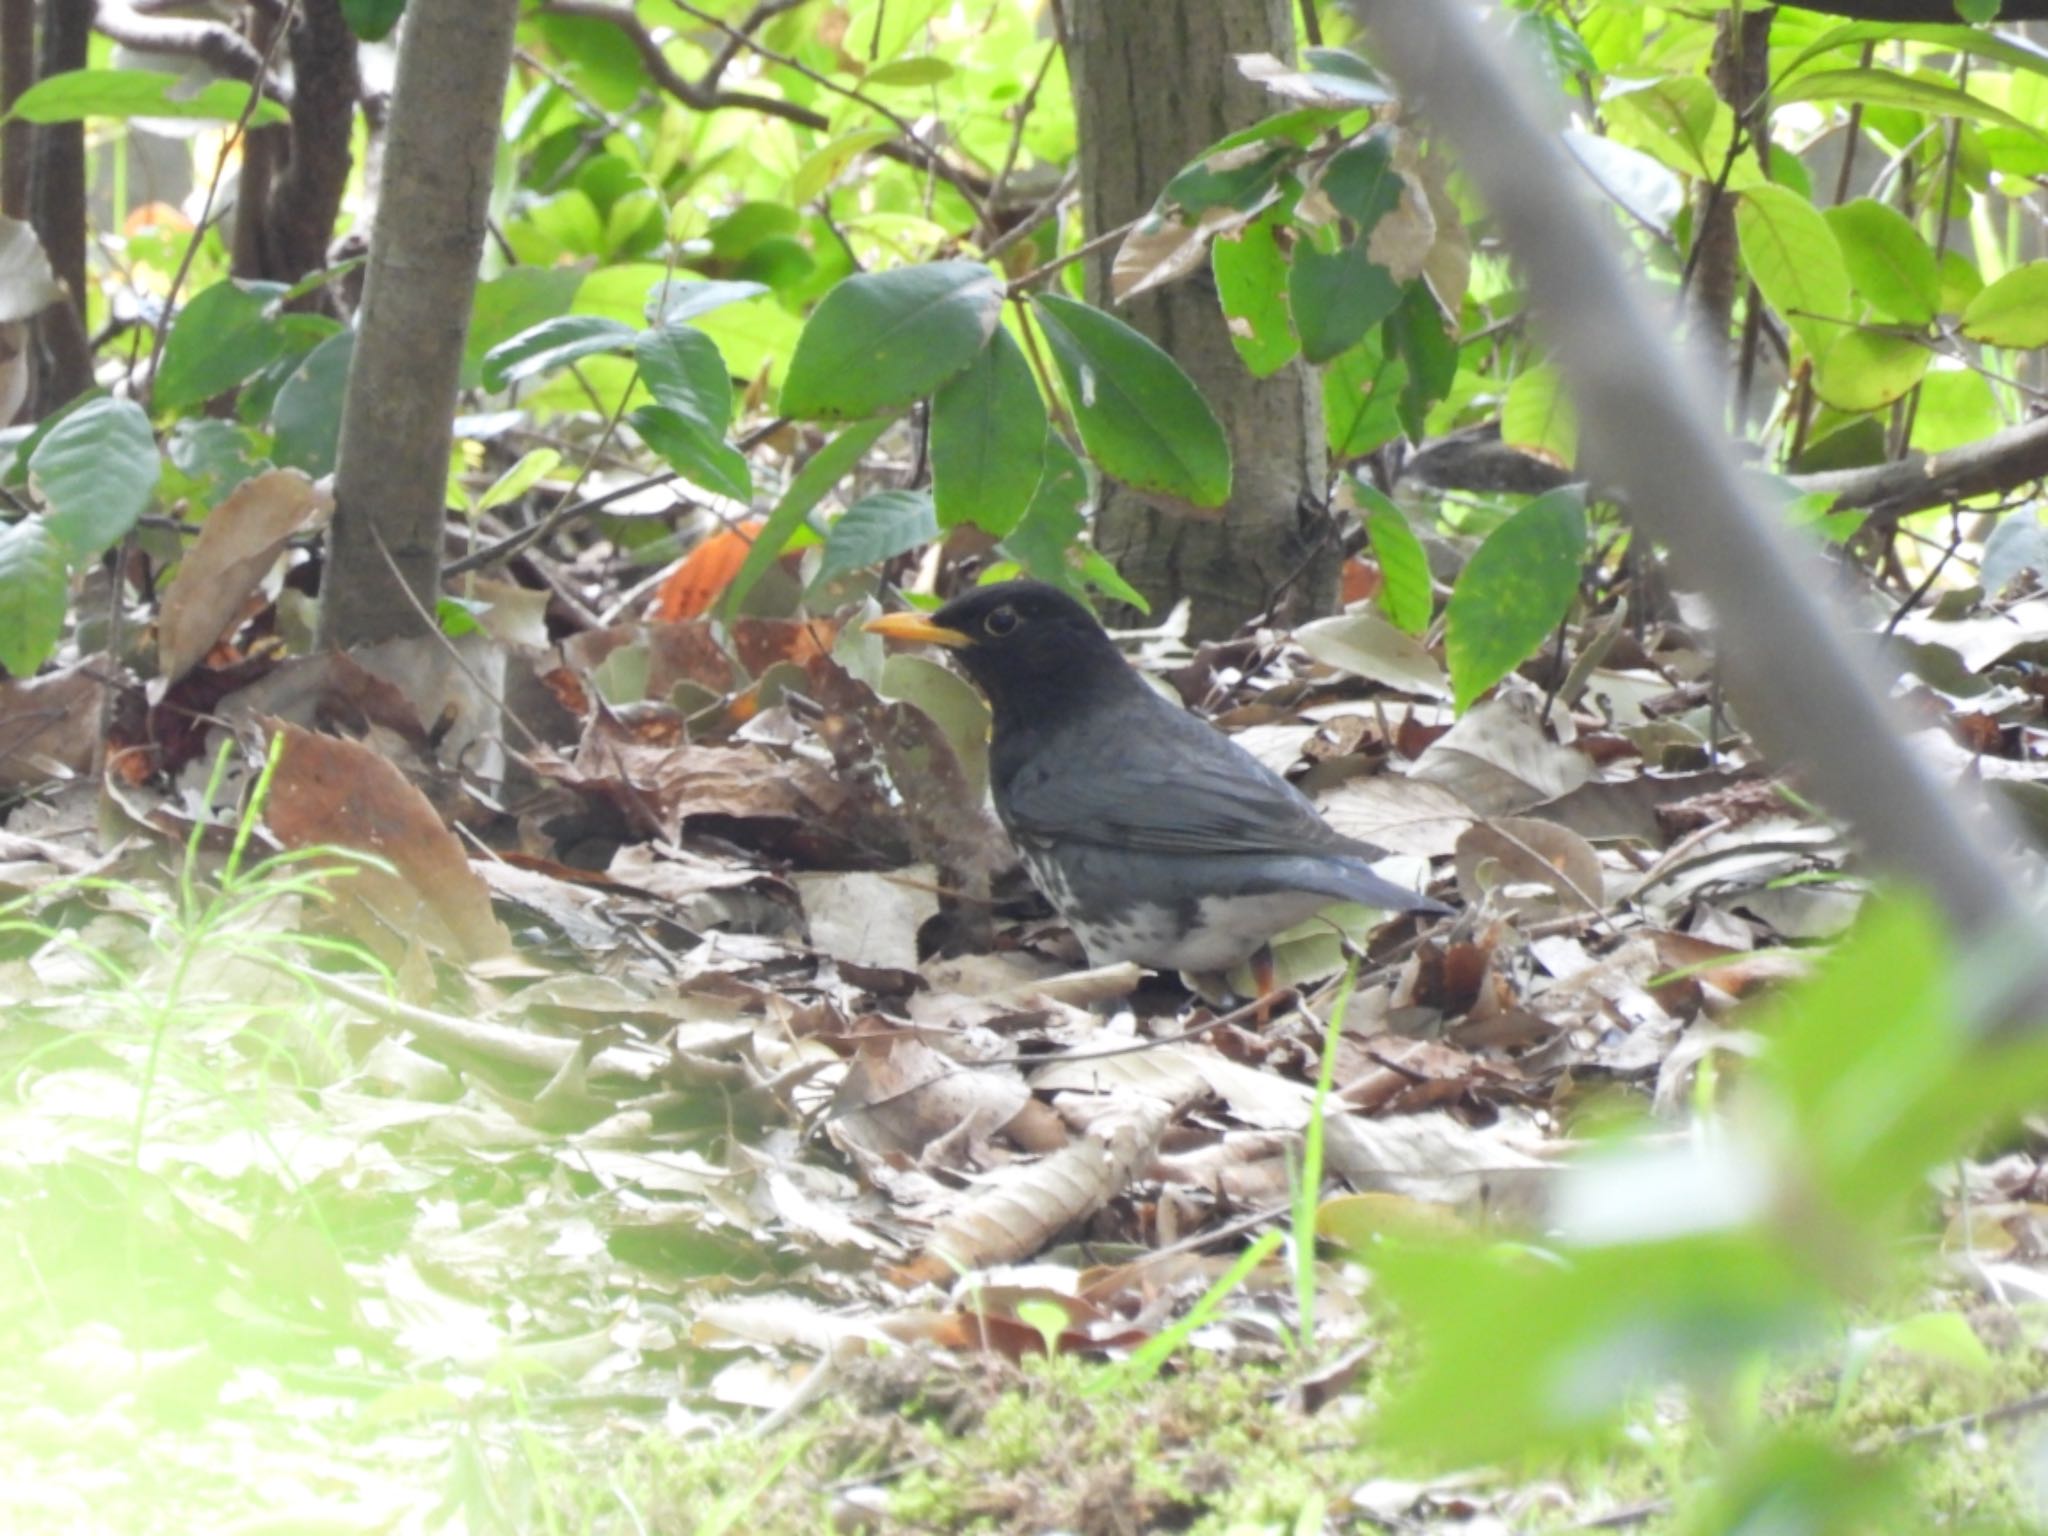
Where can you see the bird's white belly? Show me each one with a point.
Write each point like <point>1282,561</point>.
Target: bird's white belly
<point>1225,931</point>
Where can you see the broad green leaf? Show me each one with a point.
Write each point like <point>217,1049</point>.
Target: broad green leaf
<point>884,339</point>
<point>1333,77</point>
<point>1513,593</point>
<point>533,467</point>
<point>1865,370</point>
<point>1229,178</point>
<point>1045,539</point>
<point>2012,312</point>
<point>823,165</point>
<point>825,469</point>
<point>674,300</point>
<point>1140,417</point>
<point>222,336</point>
<point>1428,352</point>
<point>553,343</point>
<point>988,439</point>
<point>509,304</point>
<point>2004,49</point>
<point>34,582</point>
<point>1678,121</point>
<point>1888,261</point>
<point>877,528</point>
<point>1406,595</point>
<point>1362,183</point>
<point>684,371</point>
<point>1960,282</point>
<point>1595,1328</point>
<point>1362,399</point>
<point>306,416</point>
<point>694,449</point>
<point>1888,88</point>
<point>1251,282</point>
<point>95,471</point>
<point>1537,416</point>
<point>1336,298</point>
<point>1795,262</point>
<point>126,93</point>
<point>1955,406</point>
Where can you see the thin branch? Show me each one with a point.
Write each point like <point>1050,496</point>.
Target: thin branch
<point>217,45</point>
<point>700,97</point>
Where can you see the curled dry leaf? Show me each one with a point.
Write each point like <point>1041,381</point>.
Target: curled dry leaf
<point>328,791</point>
<point>237,545</point>
<point>1501,859</point>
<point>1499,761</point>
<point>1029,1204</point>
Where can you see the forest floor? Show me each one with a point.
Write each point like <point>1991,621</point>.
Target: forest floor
<point>742,1146</point>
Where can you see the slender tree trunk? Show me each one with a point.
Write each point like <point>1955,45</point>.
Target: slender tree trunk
<point>57,209</point>
<point>17,74</point>
<point>384,557</point>
<point>1155,84</point>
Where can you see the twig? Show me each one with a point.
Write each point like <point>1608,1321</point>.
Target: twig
<point>1081,252</point>
<point>567,511</point>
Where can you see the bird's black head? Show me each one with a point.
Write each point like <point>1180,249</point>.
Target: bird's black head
<point>1030,647</point>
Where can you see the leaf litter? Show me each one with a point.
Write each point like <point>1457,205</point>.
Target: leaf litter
<point>670,1064</point>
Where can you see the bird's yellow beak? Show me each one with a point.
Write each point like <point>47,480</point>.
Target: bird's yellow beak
<point>913,626</point>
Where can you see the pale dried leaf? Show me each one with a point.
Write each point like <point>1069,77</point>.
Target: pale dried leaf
<point>237,545</point>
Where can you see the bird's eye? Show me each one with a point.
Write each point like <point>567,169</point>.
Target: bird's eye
<point>1001,621</point>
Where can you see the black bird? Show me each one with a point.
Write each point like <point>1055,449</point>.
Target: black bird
<point>1159,839</point>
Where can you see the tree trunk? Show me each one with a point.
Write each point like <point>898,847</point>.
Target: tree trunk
<point>1154,86</point>
<point>384,557</point>
<point>57,209</point>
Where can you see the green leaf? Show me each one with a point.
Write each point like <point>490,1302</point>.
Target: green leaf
<point>1251,282</point>
<point>877,528</point>
<point>222,336</point>
<point>553,343</point>
<point>1866,370</point>
<point>1235,177</point>
<point>988,440</point>
<point>372,20</point>
<point>1417,335</point>
<point>1140,417</point>
<point>825,469</point>
<point>1678,121</point>
<point>1406,595</point>
<point>694,449</point>
<point>1513,592</point>
<point>1362,399</point>
<point>95,471</point>
<point>511,303</point>
<point>927,70</point>
<point>306,417</point>
<point>1796,263</point>
<point>1888,88</point>
<point>684,371</point>
<point>34,582</point>
<point>533,467</point>
<point>674,300</point>
<point>1362,183</point>
<point>884,339</point>
<point>1888,261</point>
<point>1537,416</point>
<point>823,165</point>
<point>1336,298</point>
<point>2012,312</point>
<point>125,93</point>
<point>1050,531</point>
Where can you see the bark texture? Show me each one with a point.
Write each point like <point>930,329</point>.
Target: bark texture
<point>384,557</point>
<point>1154,86</point>
<point>57,209</point>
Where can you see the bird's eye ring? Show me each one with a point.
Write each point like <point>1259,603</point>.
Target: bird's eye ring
<point>1001,621</point>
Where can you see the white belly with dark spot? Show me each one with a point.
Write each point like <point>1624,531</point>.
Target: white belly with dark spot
<point>1225,931</point>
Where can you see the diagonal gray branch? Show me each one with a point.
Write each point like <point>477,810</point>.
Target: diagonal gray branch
<point>1645,416</point>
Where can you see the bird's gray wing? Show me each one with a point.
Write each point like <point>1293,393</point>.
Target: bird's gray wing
<point>1169,784</point>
